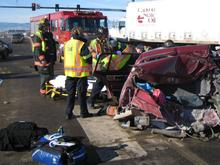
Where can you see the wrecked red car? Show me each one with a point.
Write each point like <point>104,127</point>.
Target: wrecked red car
<point>177,86</point>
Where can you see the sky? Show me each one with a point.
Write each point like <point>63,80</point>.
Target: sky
<point>23,15</point>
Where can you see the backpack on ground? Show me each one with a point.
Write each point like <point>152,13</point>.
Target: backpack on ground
<point>20,135</point>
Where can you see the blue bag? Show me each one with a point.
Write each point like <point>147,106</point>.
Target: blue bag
<point>60,151</point>
<point>48,155</point>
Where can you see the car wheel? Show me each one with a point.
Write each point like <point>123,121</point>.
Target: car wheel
<point>5,54</point>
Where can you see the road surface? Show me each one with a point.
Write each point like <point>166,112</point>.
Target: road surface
<point>106,142</point>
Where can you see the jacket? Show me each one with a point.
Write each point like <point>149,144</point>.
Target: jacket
<point>77,59</point>
<point>43,47</point>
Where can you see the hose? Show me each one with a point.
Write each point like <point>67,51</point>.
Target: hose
<point>170,133</point>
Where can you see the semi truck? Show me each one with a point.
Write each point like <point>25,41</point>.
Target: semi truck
<point>182,21</point>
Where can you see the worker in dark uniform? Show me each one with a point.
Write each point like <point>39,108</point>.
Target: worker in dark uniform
<point>77,67</point>
<point>44,51</point>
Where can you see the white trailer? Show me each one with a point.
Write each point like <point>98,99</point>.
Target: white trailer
<point>117,30</point>
<point>183,21</point>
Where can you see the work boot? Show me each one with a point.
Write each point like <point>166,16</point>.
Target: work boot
<point>69,117</point>
<point>86,115</point>
<point>91,106</point>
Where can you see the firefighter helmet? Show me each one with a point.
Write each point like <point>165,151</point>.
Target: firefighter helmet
<point>169,43</point>
<point>113,43</point>
<point>101,32</point>
<point>140,48</point>
<point>44,22</point>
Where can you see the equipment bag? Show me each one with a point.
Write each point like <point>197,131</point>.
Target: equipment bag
<point>48,155</point>
<point>20,136</point>
<point>60,152</point>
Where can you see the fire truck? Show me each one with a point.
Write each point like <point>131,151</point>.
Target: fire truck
<point>62,22</point>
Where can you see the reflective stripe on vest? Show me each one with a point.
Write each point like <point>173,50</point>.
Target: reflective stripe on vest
<point>117,61</point>
<point>43,45</point>
<point>94,44</point>
<point>94,61</point>
<point>74,64</point>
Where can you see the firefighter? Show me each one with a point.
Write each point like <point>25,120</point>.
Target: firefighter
<point>44,51</point>
<point>77,67</point>
<point>97,47</point>
<point>139,48</point>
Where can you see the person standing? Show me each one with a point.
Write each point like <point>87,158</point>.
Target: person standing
<point>97,47</point>
<point>77,67</point>
<point>44,51</point>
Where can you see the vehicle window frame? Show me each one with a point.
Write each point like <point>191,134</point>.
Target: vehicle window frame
<point>62,24</point>
<point>87,24</point>
<point>54,25</point>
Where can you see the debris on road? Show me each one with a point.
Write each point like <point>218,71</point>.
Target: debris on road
<point>5,102</point>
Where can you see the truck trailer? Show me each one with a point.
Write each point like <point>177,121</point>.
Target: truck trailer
<point>182,21</point>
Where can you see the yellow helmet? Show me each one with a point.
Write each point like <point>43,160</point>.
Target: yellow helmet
<point>44,22</point>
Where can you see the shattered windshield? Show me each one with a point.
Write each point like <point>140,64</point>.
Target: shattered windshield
<point>87,24</point>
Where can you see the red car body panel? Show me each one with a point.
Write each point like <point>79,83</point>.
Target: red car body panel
<point>174,65</point>
<point>177,65</point>
<point>144,101</point>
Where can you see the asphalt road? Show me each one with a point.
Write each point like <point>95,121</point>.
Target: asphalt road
<point>20,100</point>
<point>105,141</point>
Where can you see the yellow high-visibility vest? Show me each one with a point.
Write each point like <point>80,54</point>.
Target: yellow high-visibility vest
<point>43,45</point>
<point>95,45</point>
<point>117,61</point>
<point>74,64</point>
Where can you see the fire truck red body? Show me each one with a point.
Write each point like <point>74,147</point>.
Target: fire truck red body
<point>62,22</point>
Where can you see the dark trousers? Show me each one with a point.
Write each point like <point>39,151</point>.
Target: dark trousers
<point>79,84</point>
<point>96,90</point>
<point>46,74</point>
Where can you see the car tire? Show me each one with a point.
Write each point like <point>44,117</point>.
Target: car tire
<point>5,54</point>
